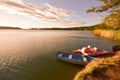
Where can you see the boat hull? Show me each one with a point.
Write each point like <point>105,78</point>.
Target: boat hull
<point>75,59</point>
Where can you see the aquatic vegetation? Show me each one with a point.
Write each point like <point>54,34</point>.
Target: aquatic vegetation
<point>110,34</point>
<point>116,35</point>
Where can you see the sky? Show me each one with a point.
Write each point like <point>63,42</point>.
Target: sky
<point>48,13</point>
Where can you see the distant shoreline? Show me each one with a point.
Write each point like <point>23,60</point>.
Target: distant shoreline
<point>9,28</point>
<point>71,28</point>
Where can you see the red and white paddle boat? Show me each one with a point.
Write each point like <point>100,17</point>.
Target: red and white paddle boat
<point>91,51</point>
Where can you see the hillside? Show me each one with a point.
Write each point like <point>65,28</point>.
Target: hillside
<point>6,27</point>
<point>103,69</point>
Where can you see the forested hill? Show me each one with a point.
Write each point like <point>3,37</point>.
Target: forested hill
<point>6,27</point>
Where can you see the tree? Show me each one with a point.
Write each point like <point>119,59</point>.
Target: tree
<point>113,7</point>
<point>107,5</point>
<point>113,20</point>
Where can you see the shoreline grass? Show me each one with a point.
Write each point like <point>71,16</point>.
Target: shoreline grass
<point>110,34</point>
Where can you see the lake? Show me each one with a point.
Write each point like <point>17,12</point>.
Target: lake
<point>30,54</point>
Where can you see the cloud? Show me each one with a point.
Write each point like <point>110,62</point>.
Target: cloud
<point>45,13</point>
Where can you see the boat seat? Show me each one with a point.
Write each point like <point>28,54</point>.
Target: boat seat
<point>65,55</point>
<point>77,57</point>
<point>89,58</point>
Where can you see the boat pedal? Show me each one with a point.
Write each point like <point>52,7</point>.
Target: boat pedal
<point>70,56</point>
<point>84,59</point>
<point>60,55</point>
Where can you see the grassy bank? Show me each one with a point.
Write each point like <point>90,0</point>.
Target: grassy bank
<point>103,69</point>
<point>110,34</point>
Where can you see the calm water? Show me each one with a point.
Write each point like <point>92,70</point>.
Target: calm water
<point>30,55</point>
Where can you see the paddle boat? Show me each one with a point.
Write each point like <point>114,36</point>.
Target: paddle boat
<point>74,58</point>
<point>92,52</point>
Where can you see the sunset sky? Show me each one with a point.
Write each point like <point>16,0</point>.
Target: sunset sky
<point>48,13</point>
